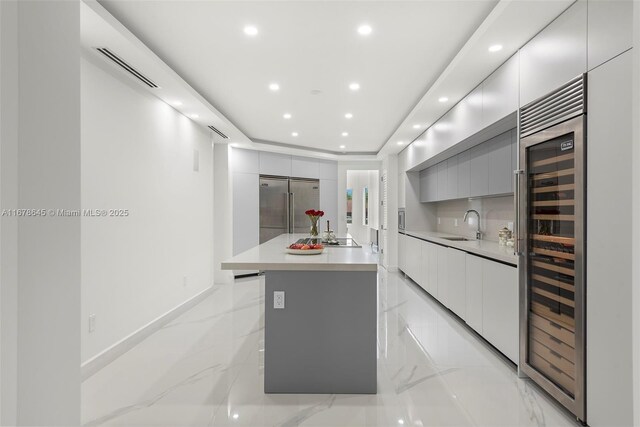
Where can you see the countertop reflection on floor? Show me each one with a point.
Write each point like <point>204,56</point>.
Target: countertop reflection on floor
<point>205,369</point>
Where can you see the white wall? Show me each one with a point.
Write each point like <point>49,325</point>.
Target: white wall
<point>138,154</point>
<point>222,212</point>
<point>40,256</point>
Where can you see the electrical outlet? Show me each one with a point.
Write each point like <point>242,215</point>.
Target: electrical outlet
<point>438,220</point>
<point>278,299</point>
<point>510,226</point>
<point>92,323</point>
<point>455,222</point>
<point>184,281</point>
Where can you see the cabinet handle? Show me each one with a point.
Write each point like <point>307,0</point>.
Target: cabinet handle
<point>516,185</point>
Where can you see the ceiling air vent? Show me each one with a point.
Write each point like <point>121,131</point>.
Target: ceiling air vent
<point>128,68</point>
<point>218,132</point>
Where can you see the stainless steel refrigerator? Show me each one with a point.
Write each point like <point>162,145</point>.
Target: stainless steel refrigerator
<point>551,243</point>
<point>283,202</point>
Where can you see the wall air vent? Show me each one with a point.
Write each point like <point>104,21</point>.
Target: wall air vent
<point>568,101</point>
<point>222,135</point>
<point>128,68</point>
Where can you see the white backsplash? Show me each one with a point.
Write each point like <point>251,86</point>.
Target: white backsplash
<point>495,213</point>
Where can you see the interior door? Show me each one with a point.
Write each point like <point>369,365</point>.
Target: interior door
<point>305,195</point>
<point>274,199</point>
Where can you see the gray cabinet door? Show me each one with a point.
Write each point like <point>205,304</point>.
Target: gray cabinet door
<point>463,174</point>
<point>424,185</point>
<point>479,170</point>
<point>433,183</point>
<point>500,172</point>
<point>452,178</point>
<point>442,180</point>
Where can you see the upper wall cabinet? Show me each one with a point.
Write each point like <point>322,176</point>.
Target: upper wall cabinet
<point>610,27</point>
<point>245,161</point>
<point>500,92</point>
<point>555,55</point>
<point>275,164</point>
<point>302,167</point>
<point>500,169</point>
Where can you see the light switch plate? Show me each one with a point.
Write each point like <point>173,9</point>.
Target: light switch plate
<point>278,299</point>
<point>438,220</point>
<point>455,222</point>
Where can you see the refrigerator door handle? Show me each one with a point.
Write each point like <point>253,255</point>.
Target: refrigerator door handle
<point>293,212</point>
<point>516,177</point>
<point>288,205</point>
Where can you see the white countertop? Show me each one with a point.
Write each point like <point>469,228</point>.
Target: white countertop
<point>483,248</point>
<point>271,255</point>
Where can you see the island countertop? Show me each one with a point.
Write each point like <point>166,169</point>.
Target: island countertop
<point>271,255</point>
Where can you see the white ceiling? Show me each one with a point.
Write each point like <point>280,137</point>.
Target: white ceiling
<point>305,46</point>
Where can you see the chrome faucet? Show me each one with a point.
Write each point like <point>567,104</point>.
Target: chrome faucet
<point>466,215</point>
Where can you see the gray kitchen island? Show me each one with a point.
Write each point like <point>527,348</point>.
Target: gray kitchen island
<point>320,317</point>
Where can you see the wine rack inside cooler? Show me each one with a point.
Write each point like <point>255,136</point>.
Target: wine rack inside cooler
<point>551,258</point>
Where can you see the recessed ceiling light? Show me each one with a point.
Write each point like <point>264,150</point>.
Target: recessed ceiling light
<point>194,116</point>
<point>400,142</point>
<point>294,133</point>
<point>364,30</point>
<point>443,99</point>
<point>176,103</point>
<point>343,147</point>
<point>348,115</point>
<point>286,115</point>
<point>495,48</point>
<point>274,87</point>
<point>354,86</point>
<point>250,30</point>
<point>416,126</point>
<point>235,416</point>
<point>345,133</point>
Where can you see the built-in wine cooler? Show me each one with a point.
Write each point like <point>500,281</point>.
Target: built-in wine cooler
<point>551,243</point>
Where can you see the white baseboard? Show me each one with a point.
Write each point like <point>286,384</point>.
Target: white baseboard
<point>102,359</point>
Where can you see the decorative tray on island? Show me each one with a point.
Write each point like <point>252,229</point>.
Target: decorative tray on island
<point>302,249</point>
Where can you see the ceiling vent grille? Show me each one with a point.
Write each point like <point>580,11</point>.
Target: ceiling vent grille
<point>218,132</point>
<point>128,68</point>
<point>564,103</point>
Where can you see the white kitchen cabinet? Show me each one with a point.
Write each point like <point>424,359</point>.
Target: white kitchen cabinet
<point>473,267</point>
<point>302,167</point>
<point>329,203</point>
<point>500,172</point>
<point>402,191</point>
<point>327,169</point>
<point>500,322</point>
<point>464,161</point>
<point>456,282</point>
<point>443,273</point>
<point>442,180</point>
<point>500,92</point>
<point>413,255</point>
<point>479,170</point>
<point>402,252</point>
<point>275,164</point>
<point>246,161</point>
<point>610,167</point>
<point>610,29</point>
<point>452,178</point>
<point>465,117</point>
<point>556,55</point>
<point>246,211</point>
<point>430,268</point>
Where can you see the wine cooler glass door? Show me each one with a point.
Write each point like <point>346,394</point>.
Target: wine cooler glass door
<point>553,254</point>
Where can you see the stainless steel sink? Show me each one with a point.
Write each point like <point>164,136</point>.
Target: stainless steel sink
<point>458,239</point>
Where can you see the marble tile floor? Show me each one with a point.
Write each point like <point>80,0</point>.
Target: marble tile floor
<point>206,369</point>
